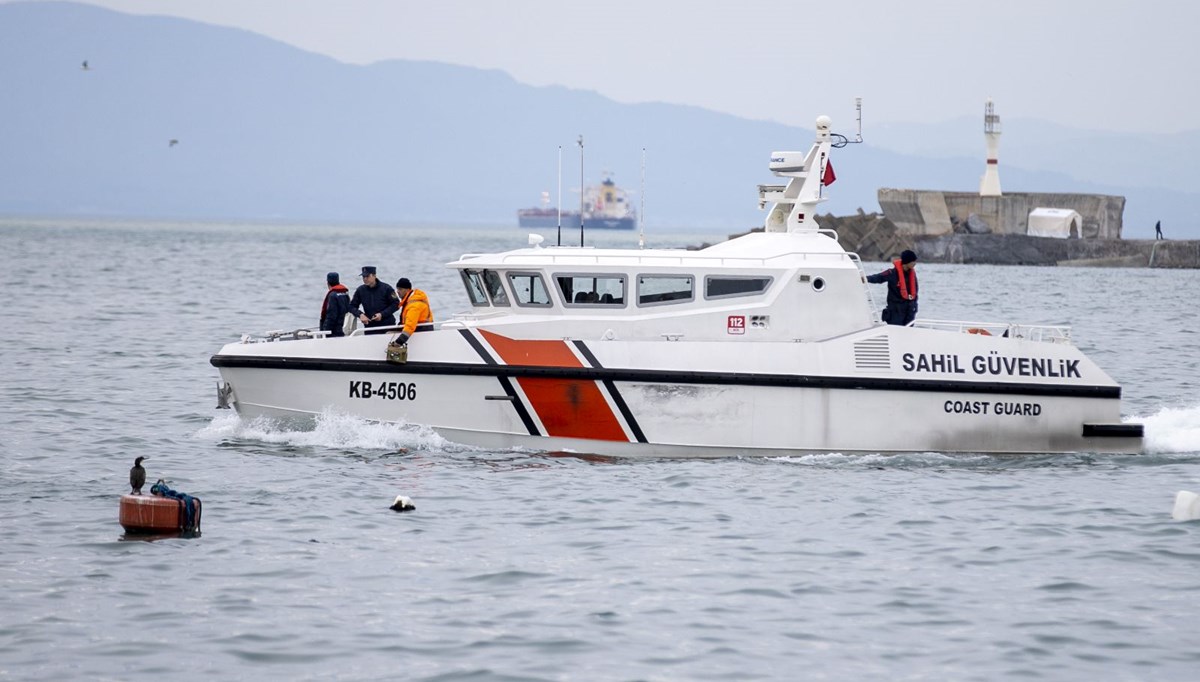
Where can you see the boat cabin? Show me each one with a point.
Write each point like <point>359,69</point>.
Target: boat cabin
<point>760,287</point>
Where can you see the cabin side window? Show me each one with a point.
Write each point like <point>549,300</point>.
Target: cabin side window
<point>659,289</point>
<point>473,281</point>
<point>495,288</point>
<point>723,286</point>
<point>592,290</point>
<point>529,289</point>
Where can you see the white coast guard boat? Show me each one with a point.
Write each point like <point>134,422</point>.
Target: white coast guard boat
<point>767,344</point>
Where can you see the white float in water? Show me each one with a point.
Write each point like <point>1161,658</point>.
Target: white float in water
<point>1187,506</point>
<point>402,503</point>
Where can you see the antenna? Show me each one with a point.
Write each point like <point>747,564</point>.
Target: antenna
<point>858,108</point>
<point>559,202</point>
<point>580,141</point>
<point>839,140</point>
<point>642,210</point>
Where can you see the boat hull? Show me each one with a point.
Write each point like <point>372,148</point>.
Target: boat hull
<point>469,393</point>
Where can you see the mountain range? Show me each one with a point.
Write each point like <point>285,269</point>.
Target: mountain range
<point>174,118</point>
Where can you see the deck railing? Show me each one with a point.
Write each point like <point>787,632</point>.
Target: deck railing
<point>1031,332</point>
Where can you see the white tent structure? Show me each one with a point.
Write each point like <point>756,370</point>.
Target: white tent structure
<point>1060,223</point>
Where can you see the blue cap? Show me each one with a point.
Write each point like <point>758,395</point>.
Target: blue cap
<point>368,270</point>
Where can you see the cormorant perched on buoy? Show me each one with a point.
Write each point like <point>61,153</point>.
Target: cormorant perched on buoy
<point>137,476</point>
<point>402,503</point>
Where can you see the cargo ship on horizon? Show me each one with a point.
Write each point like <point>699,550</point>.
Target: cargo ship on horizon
<point>606,207</point>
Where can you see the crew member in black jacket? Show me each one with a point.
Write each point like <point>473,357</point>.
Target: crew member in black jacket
<point>335,306</point>
<point>902,289</point>
<point>374,302</point>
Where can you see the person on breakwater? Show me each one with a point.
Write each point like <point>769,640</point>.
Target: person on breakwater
<point>1158,230</point>
<point>902,289</point>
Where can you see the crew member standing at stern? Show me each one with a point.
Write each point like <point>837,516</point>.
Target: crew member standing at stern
<point>902,289</point>
<point>374,302</point>
<point>335,306</point>
<point>414,309</point>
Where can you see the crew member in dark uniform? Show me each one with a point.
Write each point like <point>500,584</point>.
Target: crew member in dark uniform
<point>335,306</point>
<point>902,289</point>
<point>374,302</point>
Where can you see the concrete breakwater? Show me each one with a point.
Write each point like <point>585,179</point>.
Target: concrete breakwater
<point>1016,249</point>
<point>934,212</point>
<point>874,237</point>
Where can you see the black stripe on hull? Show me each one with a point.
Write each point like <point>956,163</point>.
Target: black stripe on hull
<point>519,406</point>
<point>617,398</point>
<point>505,383</point>
<point>650,376</point>
<point>487,357</point>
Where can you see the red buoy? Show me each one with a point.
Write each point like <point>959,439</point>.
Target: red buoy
<point>154,514</point>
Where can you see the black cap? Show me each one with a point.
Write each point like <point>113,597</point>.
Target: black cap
<point>332,278</point>
<point>368,270</point>
<point>907,256</point>
<point>403,283</point>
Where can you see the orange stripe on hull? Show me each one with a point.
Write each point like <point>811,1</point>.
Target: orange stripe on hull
<point>572,408</point>
<point>568,408</point>
<point>533,353</point>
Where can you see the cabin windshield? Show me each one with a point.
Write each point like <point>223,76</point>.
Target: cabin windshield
<point>473,281</point>
<point>529,289</point>
<point>495,288</point>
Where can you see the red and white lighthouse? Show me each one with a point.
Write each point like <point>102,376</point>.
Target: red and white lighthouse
<point>989,184</point>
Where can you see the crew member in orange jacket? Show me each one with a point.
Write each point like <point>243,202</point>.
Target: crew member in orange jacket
<point>414,309</point>
<point>902,289</point>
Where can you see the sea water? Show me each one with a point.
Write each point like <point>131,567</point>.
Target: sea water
<point>517,565</point>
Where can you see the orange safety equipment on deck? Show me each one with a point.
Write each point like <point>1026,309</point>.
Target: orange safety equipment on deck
<point>977,330</point>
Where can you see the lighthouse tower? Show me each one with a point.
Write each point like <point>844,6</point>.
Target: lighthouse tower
<point>989,184</point>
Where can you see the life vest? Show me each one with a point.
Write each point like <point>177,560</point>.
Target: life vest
<point>337,289</point>
<point>414,309</point>
<point>908,290</point>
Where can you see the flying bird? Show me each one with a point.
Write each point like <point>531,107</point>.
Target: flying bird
<point>172,143</point>
<point>85,66</point>
<point>137,476</point>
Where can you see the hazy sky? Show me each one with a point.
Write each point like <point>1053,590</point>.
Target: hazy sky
<point>1099,64</point>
